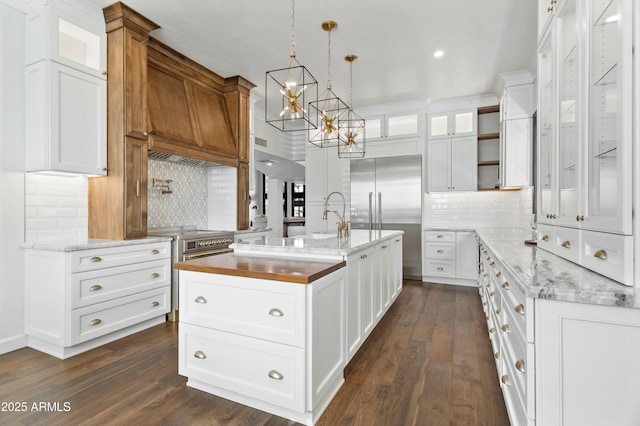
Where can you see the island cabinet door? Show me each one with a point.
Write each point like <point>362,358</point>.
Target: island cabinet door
<point>265,309</point>
<point>227,362</point>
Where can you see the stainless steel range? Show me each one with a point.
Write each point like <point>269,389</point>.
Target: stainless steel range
<point>190,243</point>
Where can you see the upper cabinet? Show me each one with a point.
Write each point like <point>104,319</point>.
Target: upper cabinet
<point>584,72</point>
<point>65,88</point>
<point>456,123</point>
<point>546,11</point>
<point>399,125</point>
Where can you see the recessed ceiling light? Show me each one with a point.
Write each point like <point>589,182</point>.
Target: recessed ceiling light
<point>438,53</point>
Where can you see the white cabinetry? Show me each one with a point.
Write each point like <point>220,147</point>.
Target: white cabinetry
<point>584,104</point>
<point>78,300</point>
<point>452,164</point>
<point>451,257</point>
<point>585,364</point>
<point>454,123</point>
<point>273,345</point>
<point>66,88</point>
<point>389,126</point>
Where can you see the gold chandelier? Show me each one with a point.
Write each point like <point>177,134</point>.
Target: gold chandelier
<point>287,91</point>
<point>329,109</point>
<point>353,128</point>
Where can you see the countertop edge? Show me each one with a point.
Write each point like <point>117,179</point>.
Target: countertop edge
<point>89,244</point>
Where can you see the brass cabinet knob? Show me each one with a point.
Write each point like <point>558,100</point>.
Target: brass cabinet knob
<point>492,294</point>
<point>497,355</point>
<point>505,380</point>
<point>505,328</point>
<point>505,285</point>
<point>519,309</point>
<point>600,254</point>
<point>545,238</point>
<point>440,268</point>
<point>498,274</point>
<point>492,330</point>
<point>566,244</point>
<point>520,365</point>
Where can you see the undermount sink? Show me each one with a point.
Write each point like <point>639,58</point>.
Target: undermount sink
<point>319,236</point>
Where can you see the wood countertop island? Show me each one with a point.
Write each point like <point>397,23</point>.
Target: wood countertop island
<point>297,270</point>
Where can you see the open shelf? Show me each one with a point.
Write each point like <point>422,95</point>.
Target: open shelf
<point>486,136</point>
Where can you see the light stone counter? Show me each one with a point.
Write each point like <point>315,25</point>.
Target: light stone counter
<point>87,243</point>
<point>359,240</point>
<point>544,275</point>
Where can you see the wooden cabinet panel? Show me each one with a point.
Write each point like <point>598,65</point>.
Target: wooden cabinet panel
<point>243,196</point>
<point>213,129</point>
<point>135,88</point>
<point>136,188</point>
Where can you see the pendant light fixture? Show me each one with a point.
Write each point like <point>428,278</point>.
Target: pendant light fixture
<point>352,143</point>
<point>329,109</point>
<point>287,91</point>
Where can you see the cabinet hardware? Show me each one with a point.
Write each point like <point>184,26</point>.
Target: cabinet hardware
<point>545,238</point>
<point>440,268</point>
<point>95,259</point>
<point>505,328</point>
<point>440,251</point>
<point>95,321</point>
<point>505,380</point>
<point>104,73</point>
<point>566,244</point>
<point>200,355</point>
<point>505,285</point>
<point>275,312</point>
<point>581,218</point>
<point>145,133</point>
<point>155,275</point>
<point>498,311</point>
<point>137,188</point>
<point>600,254</point>
<point>498,274</point>
<point>95,287</point>
<point>104,169</point>
<point>492,330</point>
<point>492,294</point>
<point>440,236</point>
<point>497,355</point>
<point>275,375</point>
<point>485,275</point>
<point>549,9</point>
<point>154,304</point>
<point>492,263</point>
<point>520,365</point>
<point>200,299</point>
<point>155,251</point>
<point>397,241</point>
<point>384,247</point>
<point>519,309</point>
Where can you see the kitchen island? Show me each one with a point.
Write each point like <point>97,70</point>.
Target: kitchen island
<point>274,324</point>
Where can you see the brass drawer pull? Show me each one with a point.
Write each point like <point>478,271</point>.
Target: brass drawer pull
<point>498,274</point>
<point>492,330</point>
<point>275,312</point>
<point>520,365</point>
<point>275,375</point>
<point>497,355</point>
<point>200,355</point>
<point>440,268</point>
<point>566,244</point>
<point>95,287</point>
<point>154,251</point>
<point>439,251</point>
<point>492,294</point>
<point>95,259</point>
<point>505,380</point>
<point>200,299</point>
<point>519,309</point>
<point>155,275</point>
<point>440,236</point>
<point>384,247</point>
<point>154,304</point>
<point>545,238</point>
<point>505,328</point>
<point>95,321</point>
<point>492,263</point>
<point>600,254</point>
<point>505,285</point>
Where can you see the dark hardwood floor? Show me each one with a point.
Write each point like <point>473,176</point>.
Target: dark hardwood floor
<point>428,362</point>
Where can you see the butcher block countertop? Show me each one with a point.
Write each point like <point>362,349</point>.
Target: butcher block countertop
<point>264,267</point>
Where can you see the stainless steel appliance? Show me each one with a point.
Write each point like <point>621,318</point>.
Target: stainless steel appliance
<point>190,243</point>
<point>386,193</point>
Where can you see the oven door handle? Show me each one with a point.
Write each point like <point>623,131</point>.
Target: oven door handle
<point>206,253</point>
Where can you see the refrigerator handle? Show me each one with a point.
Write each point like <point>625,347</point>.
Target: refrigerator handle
<point>379,214</point>
<point>370,211</point>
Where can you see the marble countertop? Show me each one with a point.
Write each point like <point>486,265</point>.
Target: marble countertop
<point>87,243</point>
<point>543,275</point>
<point>323,244</point>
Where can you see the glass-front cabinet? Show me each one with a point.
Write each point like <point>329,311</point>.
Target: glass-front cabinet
<point>455,123</point>
<point>584,116</point>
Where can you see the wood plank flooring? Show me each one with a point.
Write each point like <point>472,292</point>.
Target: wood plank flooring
<point>428,362</point>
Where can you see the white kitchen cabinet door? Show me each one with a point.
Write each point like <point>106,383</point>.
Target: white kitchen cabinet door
<point>466,255</point>
<point>586,359</point>
<point>66,117</point>
<point>455,123</point>
<point>517,102</point>
<point>393,126</point>
<point>464,164</point>
<point>439,165</point>
<point>515,153</point>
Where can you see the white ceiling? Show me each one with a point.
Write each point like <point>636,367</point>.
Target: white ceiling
<point>394,40</point>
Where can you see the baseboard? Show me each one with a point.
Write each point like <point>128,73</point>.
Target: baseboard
<point>450,281</point>
<point>13,343</point>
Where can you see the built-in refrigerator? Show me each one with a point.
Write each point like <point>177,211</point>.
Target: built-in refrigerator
<point>386,193</point>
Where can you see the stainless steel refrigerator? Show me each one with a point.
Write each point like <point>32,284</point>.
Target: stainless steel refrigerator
<point>386,193</point>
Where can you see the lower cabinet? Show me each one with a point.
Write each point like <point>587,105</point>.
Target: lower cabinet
<point>374,282</point>
<point>78,300</point>
<point>451,257</point>
<point>275,346</point>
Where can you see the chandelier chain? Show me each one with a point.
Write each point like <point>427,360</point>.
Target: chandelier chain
<point>293,21</point>
<point>329,61</point>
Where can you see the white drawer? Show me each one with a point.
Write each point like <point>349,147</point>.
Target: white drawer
<point>88,288</point>
<point>608,254</point>
<point>265,309</point>
<point>441,268</point>
<point>546,235</point>
<point>446,251</point>
<point>87,260</point>
<point>566,243</point>
<point>515,356</point>
<point>267,371</point>
<point>97,320</point>
<point>441,236</point>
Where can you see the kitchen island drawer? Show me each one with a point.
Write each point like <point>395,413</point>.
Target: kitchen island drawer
<point>265,309</point>
<point>88,288</point>
<point>267,371</point>
<point>97,320</point>
<point>88,260</point>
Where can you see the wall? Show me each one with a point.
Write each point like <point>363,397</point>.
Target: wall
<point>188,202</point>
<point>222,207</point>
<point>478,209</point>
<point>12,158</point>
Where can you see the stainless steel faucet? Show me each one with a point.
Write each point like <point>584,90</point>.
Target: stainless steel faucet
<point>343,227</point>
